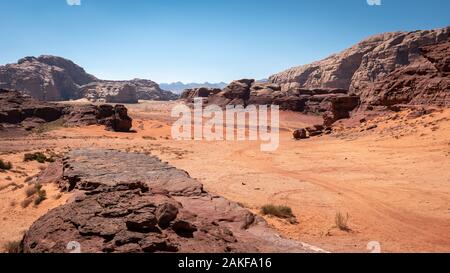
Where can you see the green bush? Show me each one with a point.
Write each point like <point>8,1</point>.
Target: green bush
<point>277,211</point>
<point>39,157</point>
<point>41,196</point>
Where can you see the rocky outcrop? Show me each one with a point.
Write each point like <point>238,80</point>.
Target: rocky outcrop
<point>136,203</point>
<point>360,67</point>
<point>115,118</point>
<point>50,78</point>
<point>202,92</point>
<point>16,108</point>
<point>333,104</point>
<point>22,112</point>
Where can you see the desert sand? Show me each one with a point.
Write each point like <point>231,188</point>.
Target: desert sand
<point>393,181</point>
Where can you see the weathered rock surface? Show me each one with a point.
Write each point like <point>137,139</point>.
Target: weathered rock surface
<point>50,78</point>
<point>22,112</point>
<point>426,81</point>
<point>358,68</point>
<point>136,203</point>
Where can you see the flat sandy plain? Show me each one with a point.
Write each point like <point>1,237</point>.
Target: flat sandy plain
<point>392,181</point>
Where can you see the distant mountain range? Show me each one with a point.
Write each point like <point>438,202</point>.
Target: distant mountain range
<point>179,87</point>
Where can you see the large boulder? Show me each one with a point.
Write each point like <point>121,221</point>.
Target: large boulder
<point>121,122</point>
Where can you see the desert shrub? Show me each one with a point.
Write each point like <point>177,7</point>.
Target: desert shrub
<point>12,247</point>
<point>31,190</point>
<point>277,211</point>
<point>41,196</point>
<point>26,202</point>
<point>149,138</point>
<point>35,190</point>
<point>5,166</point>
<point>38,156</point>
<point>341,222</point>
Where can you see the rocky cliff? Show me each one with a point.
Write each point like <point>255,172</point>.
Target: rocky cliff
<point>359,68</point>
<point>50,78</point>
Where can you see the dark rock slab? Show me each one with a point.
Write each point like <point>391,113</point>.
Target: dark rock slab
<point>136,203</point>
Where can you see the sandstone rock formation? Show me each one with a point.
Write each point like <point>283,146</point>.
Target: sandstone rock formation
<point>45,78</point>
<point>136,203</point>
<point>358,68</point>
<point>50,78</point>
<point>333,104</point>
<point>125,91</point>
<point>21,112</point>
<point>115,118</point>
<point>16,108</point>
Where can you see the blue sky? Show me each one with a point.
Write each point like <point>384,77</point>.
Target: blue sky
<point>201,40</point>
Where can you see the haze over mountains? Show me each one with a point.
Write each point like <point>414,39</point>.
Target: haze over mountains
<point>179,87</point>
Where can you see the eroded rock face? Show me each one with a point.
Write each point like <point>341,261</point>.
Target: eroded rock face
<point>46,78</point>
<point>136,203</point>
<point>16,108</point>
<point>51,78</point>
<point>426,81</point>
<point>359,67</point>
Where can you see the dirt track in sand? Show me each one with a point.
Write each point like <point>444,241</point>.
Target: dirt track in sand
<point>393,181</point>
